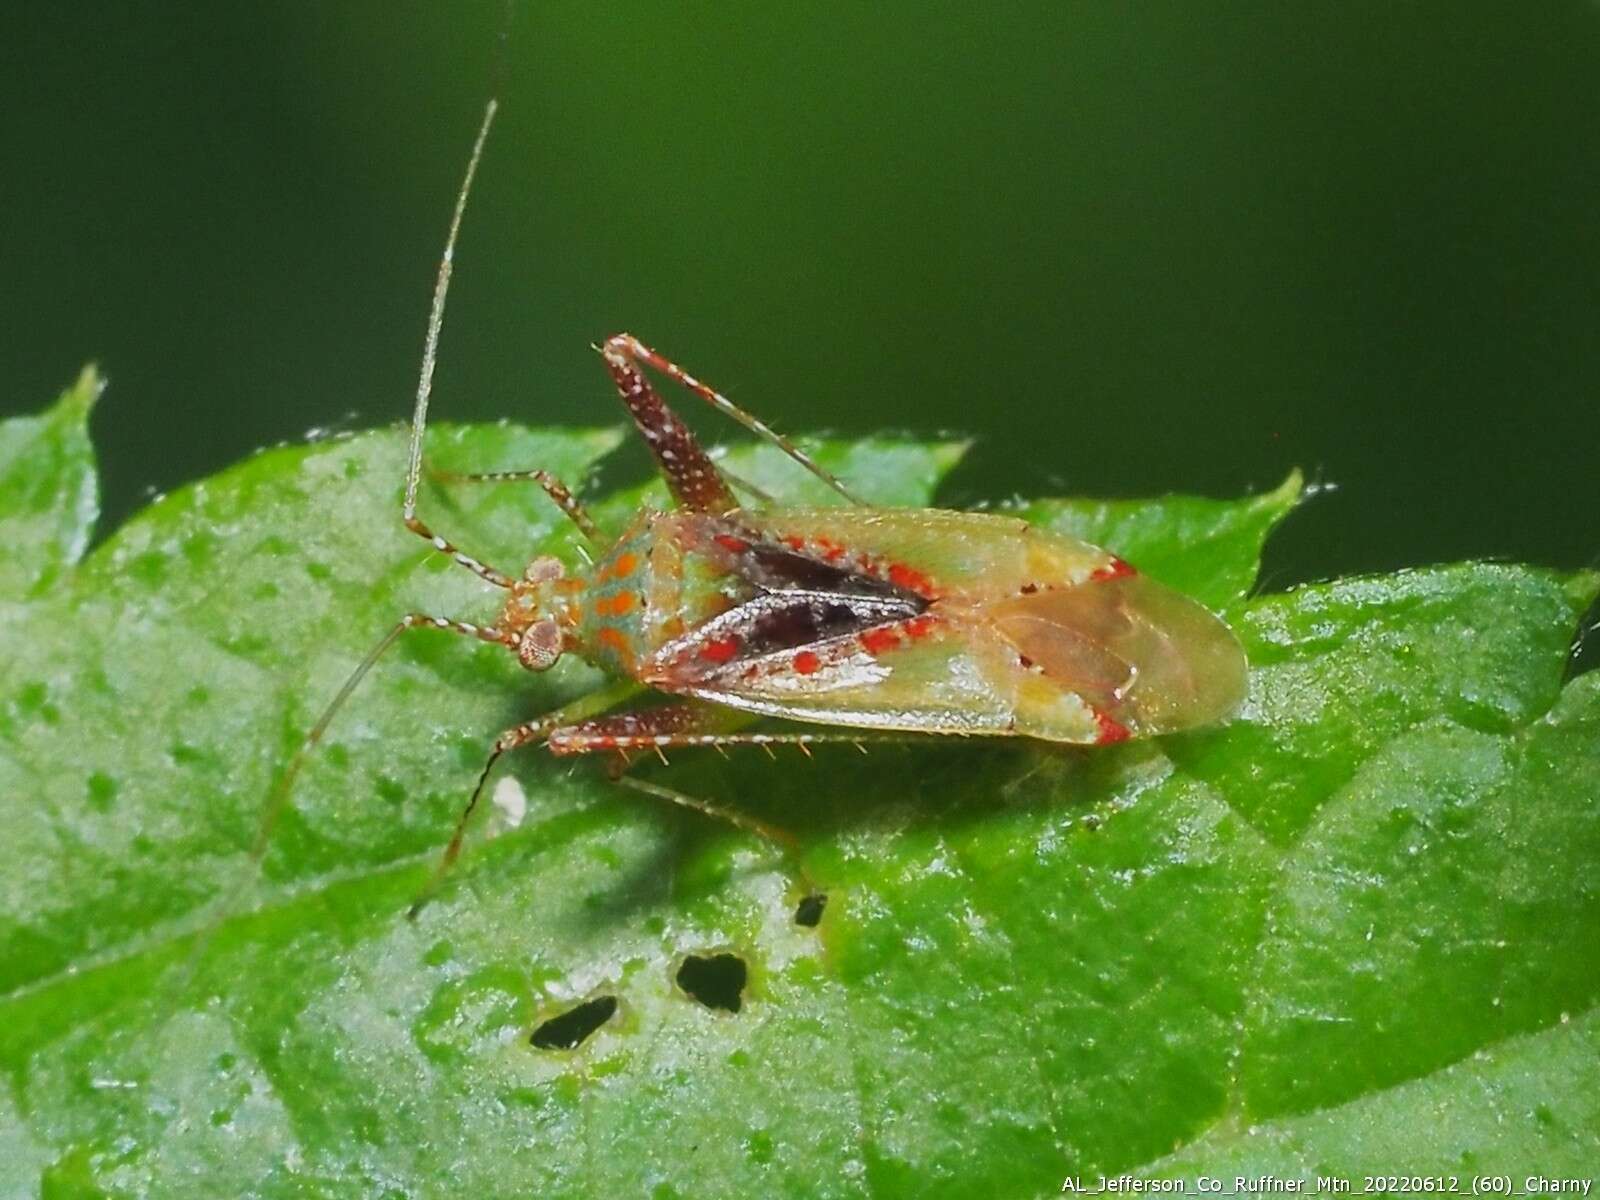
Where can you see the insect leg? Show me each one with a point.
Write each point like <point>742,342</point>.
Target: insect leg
<point>430,358</point>
<point>626,346</point>
<point>750,489</point>
<point>692,478</point>
<point>786,842</point>
<point>553,487</point>
<point>680,726</point>
<point>280,795</point>
<point>519,735</point>
<point>623,348</point>
<point>656,729</point>
<point>782,838</point>
<point>278,799</point>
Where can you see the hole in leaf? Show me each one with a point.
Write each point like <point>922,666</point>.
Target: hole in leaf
<point>716,980</point>
<point>809,911</point>
<point>573,1027</point>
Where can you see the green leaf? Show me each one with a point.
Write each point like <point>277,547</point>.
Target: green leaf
<point>49,496</point>
<point>1354,929</point>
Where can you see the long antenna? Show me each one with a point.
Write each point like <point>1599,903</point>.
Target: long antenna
<point>278,797</point>
<point>441,290</point>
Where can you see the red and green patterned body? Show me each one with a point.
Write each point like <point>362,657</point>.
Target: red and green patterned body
<point>910,620</point>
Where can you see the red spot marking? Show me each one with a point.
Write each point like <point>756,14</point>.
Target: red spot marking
<point>919,627</point>
<point>1111,731</point>
<point>624,565</point>
<point>728,542</point>
<point>615,606</point>
<point>794,543</point>
<point>880,640</point>
<point>831,550</point>
<point>1115,569</point>
<point>721,650</point>
<point>806,662</point>
<point>911,579</point>
<point>615,639</point>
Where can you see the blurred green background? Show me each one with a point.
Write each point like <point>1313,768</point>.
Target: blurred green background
<point>1130,248</point>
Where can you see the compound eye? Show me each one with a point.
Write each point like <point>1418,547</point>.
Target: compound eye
<point>540,645</point>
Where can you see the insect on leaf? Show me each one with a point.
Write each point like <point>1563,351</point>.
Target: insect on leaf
<point>1353,929</point>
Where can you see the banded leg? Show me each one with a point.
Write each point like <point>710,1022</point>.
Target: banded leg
<point>553,487</point>
<point>675,726</point>
<point>664,433</point>
<point>688,724</point>
<point>692,478</point>
<point>519,735</point>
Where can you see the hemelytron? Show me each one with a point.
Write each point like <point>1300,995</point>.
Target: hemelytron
<point>844,619</point>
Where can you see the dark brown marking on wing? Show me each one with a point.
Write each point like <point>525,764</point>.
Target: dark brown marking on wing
<point>777,622</point>
<point>790,565</point>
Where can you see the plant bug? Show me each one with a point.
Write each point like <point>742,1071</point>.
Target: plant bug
<point>844,619</point>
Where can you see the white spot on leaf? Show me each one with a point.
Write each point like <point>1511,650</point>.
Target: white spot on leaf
<point>510,805</point>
